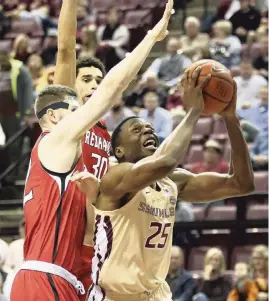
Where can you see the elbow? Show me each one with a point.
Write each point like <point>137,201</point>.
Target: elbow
<point>245,187</point>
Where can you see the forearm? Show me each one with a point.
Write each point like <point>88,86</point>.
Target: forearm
<point>177,143</point>
<point>66,58</point>
<point>240,166</point>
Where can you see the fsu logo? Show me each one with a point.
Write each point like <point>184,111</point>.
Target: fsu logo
<point>173,200</point>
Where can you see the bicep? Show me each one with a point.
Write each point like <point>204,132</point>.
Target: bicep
<point>206,187</point>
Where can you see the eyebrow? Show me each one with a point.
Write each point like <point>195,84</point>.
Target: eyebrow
<point>90,76</point>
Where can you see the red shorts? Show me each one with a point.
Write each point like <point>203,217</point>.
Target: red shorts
<point>84,273</point>
<point>39,286</point>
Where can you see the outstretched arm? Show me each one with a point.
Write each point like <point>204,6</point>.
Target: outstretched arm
<point>67,133</point>
<point>65,73</point>
<point>130,178</point>
<point>213,186</point>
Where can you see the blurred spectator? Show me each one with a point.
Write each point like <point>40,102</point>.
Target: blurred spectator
<point>248,85</point>
<point>244,288</point>
<point>259,153</point>
<point>180,281</point>
<point>245,19</point>
<point>46,78</point>
<point>215,286</point>
<point>50,48</point>
<point>5,24</point>
<point>89,42</point>
<point>85,17</point>
<point>159,117</point>
<point>194,44</point>
<point>16,94</point>
<point>113,39</point>
<point>35,66</point>
<point>15,255</point>
<point>224,47</point>
<point>151,83</point>
<point>174,99</point>
<point>21,48</point>
<point>255,117</point>
<point>259,270</point>
<point>117,114</point>
<point>169,68</point>
<point>212,159</point>
<point>4,250</point>
<point>261,62</point>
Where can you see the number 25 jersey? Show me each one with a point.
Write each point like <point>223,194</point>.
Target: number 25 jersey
<point>96,149</point>
<point>133,244</point>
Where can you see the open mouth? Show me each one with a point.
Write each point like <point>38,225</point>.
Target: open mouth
<point>150,143</point>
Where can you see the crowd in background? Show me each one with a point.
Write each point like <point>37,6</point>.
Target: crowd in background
<point>236,35</point>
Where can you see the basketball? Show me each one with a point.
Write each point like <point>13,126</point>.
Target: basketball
<point>218,91</point>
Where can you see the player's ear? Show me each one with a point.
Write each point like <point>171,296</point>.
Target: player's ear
<point>119,152</point>
<point>52,116</point>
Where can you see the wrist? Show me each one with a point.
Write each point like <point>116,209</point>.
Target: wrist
<point>228,118</point>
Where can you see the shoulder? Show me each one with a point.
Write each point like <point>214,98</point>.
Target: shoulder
<point>114,176</point>
<point>164,113</point>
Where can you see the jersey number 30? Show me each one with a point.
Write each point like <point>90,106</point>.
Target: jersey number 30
<point>162,231</point>
<point>100,168</point>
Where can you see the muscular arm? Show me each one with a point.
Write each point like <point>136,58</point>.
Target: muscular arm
<point>63,140</point>
<point>130,178</point>
<point>213,186</point>
<point>65,73</point>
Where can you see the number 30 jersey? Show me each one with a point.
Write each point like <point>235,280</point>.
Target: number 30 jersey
<point>96,150</point>
<point>132,245</point>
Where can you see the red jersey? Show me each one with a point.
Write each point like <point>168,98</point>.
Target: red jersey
<point>96,150</point>
<point>55,215</point>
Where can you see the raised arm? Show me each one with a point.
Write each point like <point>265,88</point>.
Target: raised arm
<point>129,178</point>
<point>213,186</point>
<point>68,132</point>
<point>65,73</point>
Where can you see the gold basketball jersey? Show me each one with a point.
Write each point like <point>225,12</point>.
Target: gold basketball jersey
<point>132,245</point>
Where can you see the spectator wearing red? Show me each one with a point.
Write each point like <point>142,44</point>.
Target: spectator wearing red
<point>212,159</point>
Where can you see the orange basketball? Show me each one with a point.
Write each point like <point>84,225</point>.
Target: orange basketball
<point>218,91</point>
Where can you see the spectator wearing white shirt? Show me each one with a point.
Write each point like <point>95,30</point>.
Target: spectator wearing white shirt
<point>248,85</point>
<point>160,118</point>
<point>169,69</point>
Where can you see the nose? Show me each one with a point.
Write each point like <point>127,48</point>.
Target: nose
<point>94,84</point>
<point>147,131</point>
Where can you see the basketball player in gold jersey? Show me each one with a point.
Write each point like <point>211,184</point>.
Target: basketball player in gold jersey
<point>135,209</point>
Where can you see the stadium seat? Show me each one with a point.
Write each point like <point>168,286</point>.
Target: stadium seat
<point>198,213</point>
<point>227,152</point>
<point>102,18</point>
<point>36,44</point>
<point>103,5</point>
<point>219,130</point>
<point>150,3</point>
<point>29,27</point>
<point>257,211</point>
<point>129,4</point>
<point>195,154</point>
<point>251,51</point>
<point>261,181</point>
<point>138,18</point>
<point>218,213</point>
<point>5,45</point>
<point>196,258</point>
<point>203,128</point>
<point>241,254</point>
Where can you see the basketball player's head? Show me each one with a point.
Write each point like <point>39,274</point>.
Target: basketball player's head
<point>53,103</point>
<point>89,74</point>
<point>134,139</point>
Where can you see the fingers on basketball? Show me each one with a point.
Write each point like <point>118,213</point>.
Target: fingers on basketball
<point>193,79</point>
<point>205,82</point>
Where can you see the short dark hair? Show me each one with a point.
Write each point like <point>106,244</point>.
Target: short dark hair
<point>116,133</point>
<point>52,94</point>
<point>89,61</point>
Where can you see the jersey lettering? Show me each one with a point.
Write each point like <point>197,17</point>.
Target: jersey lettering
<point>101,166</point>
